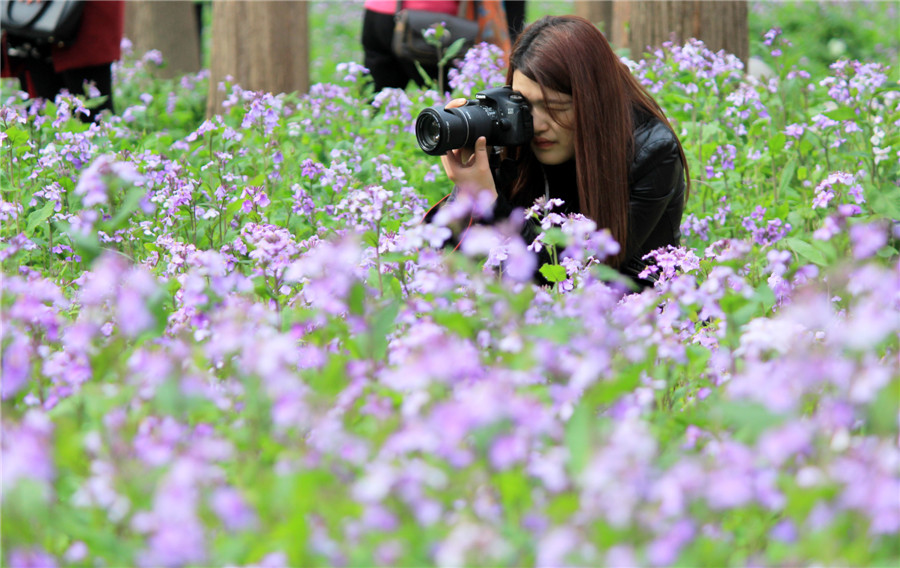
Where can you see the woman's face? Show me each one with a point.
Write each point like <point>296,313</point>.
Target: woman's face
<point>553,142</point>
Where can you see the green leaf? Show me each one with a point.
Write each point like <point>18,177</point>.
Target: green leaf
<point>382,324</point>
<point>16,136</point>
<point>455,322</point>
<point>87,245</point>
<point>776,143</point>
<point>886,202</point>
<point>554,237</point>
<point>843,113</point>
<point>553,272</point>
<point>38,216</point>
<point>371,238</point>
<point>578,437</point>
<point>124,212</point>
<point>452,50</point>
<point>746,420</point>
<point>787,176</point>
<point>515,491</point>
<point>607,273</point>
<point>426,78</point>
<point>765,296</point>
<point>610,390</point>
<point>806,250</point>
<point>558,330</point>
<point>357,298</point>
<point>882,412</point>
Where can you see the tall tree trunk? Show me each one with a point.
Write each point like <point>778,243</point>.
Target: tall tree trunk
<point>609,16</point>
<point>720,24</point>
<point>599,12</point>
<point>170,27</point>
<point>261,45</point>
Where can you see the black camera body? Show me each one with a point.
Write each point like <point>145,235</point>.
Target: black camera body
<point>500,114</point>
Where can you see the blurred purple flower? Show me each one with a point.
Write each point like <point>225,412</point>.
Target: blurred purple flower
<point>17,366</point>
<point>507,450</point>
<point>778,445</point>
<point>93,183</point>
<point>352,71</point>
<point>232,509</point>
<point>27,451</point>
<point>664,551</point>
<point>31,558</point>
<point>553,547</point>
<point>784,531</point>
<point>867,239</point>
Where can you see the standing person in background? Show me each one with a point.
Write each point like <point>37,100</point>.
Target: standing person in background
<point>86,62</point>
<point>387,69</point>
<point>515,17</point>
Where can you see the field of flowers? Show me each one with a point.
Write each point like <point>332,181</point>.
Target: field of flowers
<point>232,342</point>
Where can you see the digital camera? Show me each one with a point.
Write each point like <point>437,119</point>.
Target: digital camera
<point>501,115</point>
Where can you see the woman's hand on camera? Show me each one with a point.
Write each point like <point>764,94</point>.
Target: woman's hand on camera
<point>469,169</point>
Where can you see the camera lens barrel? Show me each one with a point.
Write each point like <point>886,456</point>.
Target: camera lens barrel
<point>439,130</point>
<point>500,114</point>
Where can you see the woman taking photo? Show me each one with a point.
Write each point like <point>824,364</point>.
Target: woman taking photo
<point>601,144</point>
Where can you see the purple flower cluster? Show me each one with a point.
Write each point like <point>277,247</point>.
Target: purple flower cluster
<point>482,67</point>
<point>275,363</point>
<point>768,233</point>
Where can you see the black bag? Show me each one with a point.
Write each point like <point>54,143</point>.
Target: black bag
<point>48,22</point>
<point>409,43</point>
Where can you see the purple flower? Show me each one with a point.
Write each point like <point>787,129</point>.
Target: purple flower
<point>93,183</point>
<point>352,71</point>
<point>666,262</point>
<point>26,450</point>
<point>867,239</point>
<point>311,169</point>
<point>232,509</point>
<point>728,489</point>
<point>784,531</point>
<point>664,550</point>
<point>771,35</point>
<point>829,188</point>
<point>794,130</point>
<point>507,451</point>
<point>17,366</point>
<point>781,444</point>
<point>77,552</point>
<point>327,272</point>
<point>264,111</point>
<point>31,558</point>
<point>831,226</point>
<point>554,546</point>
<point>482,66</point>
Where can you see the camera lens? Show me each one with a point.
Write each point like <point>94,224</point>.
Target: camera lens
<point>428,131</point>
<point>439,130</point>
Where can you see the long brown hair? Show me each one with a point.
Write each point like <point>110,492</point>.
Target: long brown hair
<point>570,55</point>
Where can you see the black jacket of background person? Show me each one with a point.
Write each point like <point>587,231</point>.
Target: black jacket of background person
<point>656,196</point>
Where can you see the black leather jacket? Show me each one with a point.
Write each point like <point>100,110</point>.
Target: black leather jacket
<point>656,194</point>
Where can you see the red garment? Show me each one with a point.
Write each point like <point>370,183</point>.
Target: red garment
<point>99,37</point>
<point>450,7</point>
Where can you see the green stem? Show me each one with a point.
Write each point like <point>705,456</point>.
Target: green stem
<point>378,256</point>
